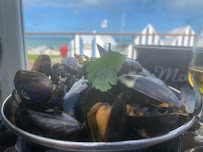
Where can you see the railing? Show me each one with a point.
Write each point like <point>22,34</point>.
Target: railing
<point>113,34</point>
<point>164,39</point>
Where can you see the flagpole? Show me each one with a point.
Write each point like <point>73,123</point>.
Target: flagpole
<point>122,25</point>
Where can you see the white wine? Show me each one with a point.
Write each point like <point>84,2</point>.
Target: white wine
<point>197,73</point>
<point>196,68</point>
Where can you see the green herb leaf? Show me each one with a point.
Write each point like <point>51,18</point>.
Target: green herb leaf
<point>102,71</point>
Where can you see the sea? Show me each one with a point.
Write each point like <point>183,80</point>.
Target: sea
<point>48,41</point>
<point>53,42</point>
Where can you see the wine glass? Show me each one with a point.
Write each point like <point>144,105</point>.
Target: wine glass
<point>195,77</point>
<point>195,68</point>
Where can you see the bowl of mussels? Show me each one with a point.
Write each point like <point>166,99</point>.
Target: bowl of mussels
<point>106,103</point>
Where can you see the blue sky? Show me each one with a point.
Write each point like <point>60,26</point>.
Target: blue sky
<point>87,15</point>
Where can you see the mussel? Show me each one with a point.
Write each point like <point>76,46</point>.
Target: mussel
<point>151,87</point>
<point>33,86</point>
<point>46,122</point>
<point>43,65</point>
<point>68,107</point>
<point>73,100</point>
<point>93,100</point>
<point>148,108</point>
<point>71,63</point>
<point>61,70</point>
<point>57,96</point>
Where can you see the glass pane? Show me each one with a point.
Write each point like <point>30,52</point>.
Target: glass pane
<point>105,75</point>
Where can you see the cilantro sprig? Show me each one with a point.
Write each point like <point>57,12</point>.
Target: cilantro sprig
<point>102,71</point>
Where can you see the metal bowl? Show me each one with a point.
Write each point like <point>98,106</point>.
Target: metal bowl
<point>92,146</point>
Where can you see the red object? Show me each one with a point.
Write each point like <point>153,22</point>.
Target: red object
<point>64,50</point>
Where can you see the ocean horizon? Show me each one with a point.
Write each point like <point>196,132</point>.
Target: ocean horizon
<point>53,42</point>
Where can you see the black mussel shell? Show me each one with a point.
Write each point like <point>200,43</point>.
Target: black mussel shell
<point>155,124</point>
<point>72,101</point>
<point>106,122</point>
<point>93,96</point>
<point>57,96</point>
<point>71,63</point>
<point>130,67</point>
<point>71,79</point>
<point>13,103</point>
<point>43,65</point>
<point>102,51</point>
<point>42,58</point>
<point>46,122</point>
<point>83,71</point>
<point>33,86</point>
<point>44,68</point>
<point>151,87</point>
<point>117,120</point>
<point>61,70</point>
<point>145,73</point>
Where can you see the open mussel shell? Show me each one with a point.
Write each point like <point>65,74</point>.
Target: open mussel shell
<point>93,100</point>
<point>107,122</point>
<point>97,120</point>
<point>73,100</point>
<point>43,65</point>
<point>46,122</point>
<point>151,87</point>
<point>33,86</point>
<point>154,121</point>
<point>154,125</point>
<point>93,96</point>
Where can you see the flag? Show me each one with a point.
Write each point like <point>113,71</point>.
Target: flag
<point>104,23</point>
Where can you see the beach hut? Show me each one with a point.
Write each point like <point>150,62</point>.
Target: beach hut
<point>148,39</point>
<point>144,40</point>
<point>186,41</point>
<point>86,44</point>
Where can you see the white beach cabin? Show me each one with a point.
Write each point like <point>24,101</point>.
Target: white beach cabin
<point>88,44</point>
<point>144,40</point>
<point>186,41</point>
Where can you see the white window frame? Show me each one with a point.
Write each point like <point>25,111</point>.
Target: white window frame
<point>14,55</point>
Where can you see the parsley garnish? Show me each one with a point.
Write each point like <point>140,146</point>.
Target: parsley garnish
<point>102,71</point>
